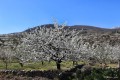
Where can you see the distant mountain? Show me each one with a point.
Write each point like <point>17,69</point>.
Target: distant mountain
<point>77,27</point>
<point>99,34</point>
<point>87,28</point>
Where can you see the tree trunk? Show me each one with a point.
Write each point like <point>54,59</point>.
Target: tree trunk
<point>119,63</point>
<point>75,63</point>
<point>119,69</point>
<point>58,66</point>
<point>6,65</point>
<point>42,62</point>
<point>21,64</point>
<point>49,61</point>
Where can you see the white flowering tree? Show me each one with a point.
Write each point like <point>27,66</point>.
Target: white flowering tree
<point>52,43</point>
<point>61,44</point>
<point>6,51</point>
<point>115,56</point>
<point>6,55</point>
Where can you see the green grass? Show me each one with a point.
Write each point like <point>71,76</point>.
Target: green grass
<point>65,65</point>
<point>37,65</point>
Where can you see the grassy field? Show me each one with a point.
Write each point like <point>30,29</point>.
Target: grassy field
<point>37,65</point>
<point>46,66</point>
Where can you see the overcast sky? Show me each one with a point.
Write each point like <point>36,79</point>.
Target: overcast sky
<point>18,15</point>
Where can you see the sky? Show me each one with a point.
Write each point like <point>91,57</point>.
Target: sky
<point>19,15</point>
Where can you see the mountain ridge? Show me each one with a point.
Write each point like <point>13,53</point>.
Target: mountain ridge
<point>77,27</point>
<point>92,33</point>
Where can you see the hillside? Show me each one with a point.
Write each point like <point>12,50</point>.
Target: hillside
<point>92,33</point>
<point>77,27</point>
